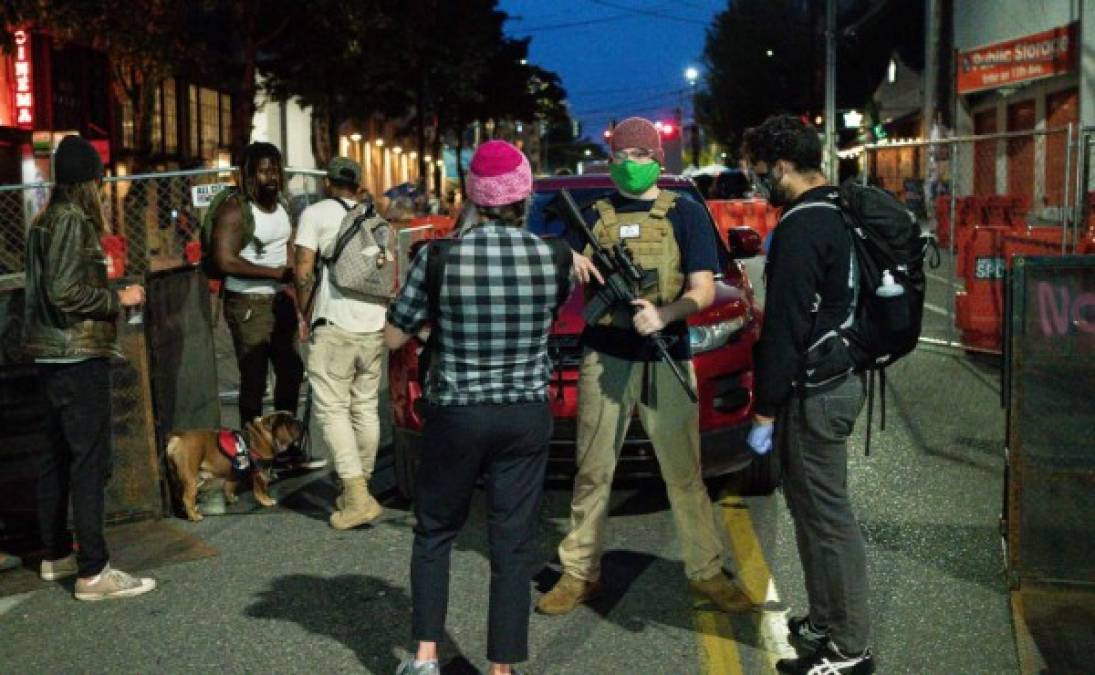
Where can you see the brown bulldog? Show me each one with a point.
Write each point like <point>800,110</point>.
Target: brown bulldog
<point>199,455</point>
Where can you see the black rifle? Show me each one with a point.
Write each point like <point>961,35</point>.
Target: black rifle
<point>623,277</point>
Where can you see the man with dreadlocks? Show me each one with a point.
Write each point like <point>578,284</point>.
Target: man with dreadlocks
<point>251,238</point>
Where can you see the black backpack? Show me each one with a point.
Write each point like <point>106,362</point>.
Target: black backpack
<point>886,241</point>
<point>886,237</point>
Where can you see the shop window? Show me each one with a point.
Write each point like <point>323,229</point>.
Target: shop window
<point>170,118</point>
<point>210,123</point>
<point>193,106</point>
<point>984,153</point>
<point>157,121</point>
<point>128,138</point>
<point>1062,109</point>
<point>226,119</point>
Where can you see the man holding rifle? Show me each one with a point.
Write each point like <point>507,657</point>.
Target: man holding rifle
<point>673,247</point>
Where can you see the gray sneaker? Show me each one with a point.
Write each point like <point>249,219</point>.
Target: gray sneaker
<point>53,570</point>
<point>407,667</point>
<point>112,584</point>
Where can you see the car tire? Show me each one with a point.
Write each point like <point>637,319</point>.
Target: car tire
<point>405,460</point>
<point>763,475</point>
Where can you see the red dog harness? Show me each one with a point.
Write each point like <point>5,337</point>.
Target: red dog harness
<point>233,446</point>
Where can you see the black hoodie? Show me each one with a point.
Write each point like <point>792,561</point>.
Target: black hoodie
<point>807,292</point>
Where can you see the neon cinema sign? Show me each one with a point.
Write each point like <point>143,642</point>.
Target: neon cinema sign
<point>24,86</point>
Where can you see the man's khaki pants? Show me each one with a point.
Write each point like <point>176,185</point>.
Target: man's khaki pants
<point>608,391</point>
<point>344,371</point>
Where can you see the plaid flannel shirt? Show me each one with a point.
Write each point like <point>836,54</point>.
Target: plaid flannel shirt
<point>498,295</point>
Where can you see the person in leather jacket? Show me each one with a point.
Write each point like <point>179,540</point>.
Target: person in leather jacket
<point>70,332</point>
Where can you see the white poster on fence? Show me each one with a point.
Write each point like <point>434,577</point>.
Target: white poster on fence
<point>202,195</point>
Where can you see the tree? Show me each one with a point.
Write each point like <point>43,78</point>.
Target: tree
<point>765,57</point>
<point>144,39</point>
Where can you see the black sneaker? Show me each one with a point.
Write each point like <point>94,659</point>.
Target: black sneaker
<point>804,635</point>
<point>828,661</point>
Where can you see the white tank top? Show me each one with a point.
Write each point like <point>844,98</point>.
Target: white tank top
<point>273,230</point>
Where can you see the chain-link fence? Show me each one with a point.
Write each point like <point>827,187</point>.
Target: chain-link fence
<point>156,216</point>
<point>986,198</point>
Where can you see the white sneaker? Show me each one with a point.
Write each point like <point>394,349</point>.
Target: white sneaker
<point>54,570</point>
<point>111,584</point>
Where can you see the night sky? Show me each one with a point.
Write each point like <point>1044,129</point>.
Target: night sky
<point>615,57</point>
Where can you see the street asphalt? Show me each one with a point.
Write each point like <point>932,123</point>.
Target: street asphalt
<point>288,594</point>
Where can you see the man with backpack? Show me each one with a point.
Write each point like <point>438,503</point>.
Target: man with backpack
<point>345,358</point>
<point>491,296</point>
<point>249,240</point>
<point>810,297</point>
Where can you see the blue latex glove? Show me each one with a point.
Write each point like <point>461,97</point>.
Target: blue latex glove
<point>760,438</point>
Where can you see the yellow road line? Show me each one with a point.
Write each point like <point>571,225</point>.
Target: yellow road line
<point>718,649</point>
<point>719,653</point>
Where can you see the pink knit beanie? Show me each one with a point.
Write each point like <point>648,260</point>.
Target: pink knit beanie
<point>499,174</point>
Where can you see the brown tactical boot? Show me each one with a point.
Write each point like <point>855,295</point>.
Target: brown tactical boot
<point>359,507</point>
<point>569,592</point>
<point>723,593</point>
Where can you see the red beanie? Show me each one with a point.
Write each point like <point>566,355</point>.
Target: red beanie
<point>499,174</point>
<point>635,132</point>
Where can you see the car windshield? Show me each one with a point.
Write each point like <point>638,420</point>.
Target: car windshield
<point>547,223</point>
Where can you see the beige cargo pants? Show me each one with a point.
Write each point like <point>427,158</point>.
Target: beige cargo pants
<point>609,389</point>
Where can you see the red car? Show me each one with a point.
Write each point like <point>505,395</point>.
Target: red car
<point>722,338</point>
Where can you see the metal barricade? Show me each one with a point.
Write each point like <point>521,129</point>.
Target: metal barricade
<point>987,199</point>
<point>155,214</point>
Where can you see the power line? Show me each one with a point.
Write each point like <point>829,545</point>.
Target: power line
<point>619,104</point>
<point>570,24</point>
<point>648,12</point>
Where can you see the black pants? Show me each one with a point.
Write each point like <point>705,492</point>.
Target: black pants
<point>509,443</point>
<point>813,436</point>
<point>77,461</point>
<point>264,331</point>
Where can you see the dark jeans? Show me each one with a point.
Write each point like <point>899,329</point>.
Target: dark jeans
<point>509,443</point>
<point>77,462</point>
<point>264,331</point>
<point>813,438</point>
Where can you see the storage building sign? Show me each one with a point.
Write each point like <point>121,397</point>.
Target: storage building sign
<point>1045,54</point>
<point>24,82</point>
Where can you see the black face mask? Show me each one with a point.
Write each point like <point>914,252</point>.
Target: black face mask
<point>770,186</point>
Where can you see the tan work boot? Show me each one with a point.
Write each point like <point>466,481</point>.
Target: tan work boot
<point>569,592</point>
<point>724,593</point>
<point>111,584</point>
<point>359,507</point>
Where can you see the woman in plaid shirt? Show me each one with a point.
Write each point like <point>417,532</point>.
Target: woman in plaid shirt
<point>487,402</point>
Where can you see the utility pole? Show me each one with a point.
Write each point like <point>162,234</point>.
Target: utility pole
<point>830,90</point>
<point>931,66</point>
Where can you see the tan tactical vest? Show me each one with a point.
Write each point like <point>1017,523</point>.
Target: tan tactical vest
<point>650,238</point>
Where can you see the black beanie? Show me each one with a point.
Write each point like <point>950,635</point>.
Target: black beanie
<point>76,161</point>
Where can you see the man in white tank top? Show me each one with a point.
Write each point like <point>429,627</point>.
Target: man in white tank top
<point>261,316</point>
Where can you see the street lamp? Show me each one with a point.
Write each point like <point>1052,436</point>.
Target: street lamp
<point>770,53</point>
<point>692,74</point>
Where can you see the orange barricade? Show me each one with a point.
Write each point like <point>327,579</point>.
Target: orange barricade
<point>442,225</point>
<point>981,263</point>
<point>114,247</point>
<point>193,252</point>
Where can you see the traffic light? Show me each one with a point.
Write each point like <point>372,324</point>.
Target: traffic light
<point>879,132</point>
<point>666,129</point>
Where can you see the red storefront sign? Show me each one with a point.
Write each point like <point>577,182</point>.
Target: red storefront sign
<point>1045,54</point>
<point>24,82</point>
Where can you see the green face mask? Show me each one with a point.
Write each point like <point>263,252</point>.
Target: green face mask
<point>635,178</point>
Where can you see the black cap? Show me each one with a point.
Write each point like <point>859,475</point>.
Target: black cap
<point>76,161</point>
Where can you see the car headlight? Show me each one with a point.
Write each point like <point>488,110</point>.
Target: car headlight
<point>715,335</point>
